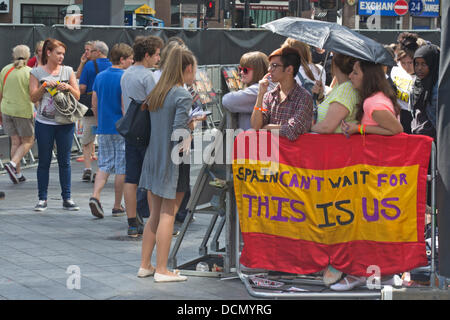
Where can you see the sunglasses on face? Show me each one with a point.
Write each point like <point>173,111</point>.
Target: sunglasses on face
<point>245,70</point>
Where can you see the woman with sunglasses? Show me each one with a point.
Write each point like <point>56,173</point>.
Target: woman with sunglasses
<point>252,68</point>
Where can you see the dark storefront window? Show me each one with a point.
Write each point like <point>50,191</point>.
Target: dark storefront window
<point>45,14</point>
<point>261,17</point>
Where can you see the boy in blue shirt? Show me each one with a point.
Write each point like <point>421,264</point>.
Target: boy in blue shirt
<point>108,108</point>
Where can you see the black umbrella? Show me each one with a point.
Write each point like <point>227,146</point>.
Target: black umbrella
<point>332,37</point>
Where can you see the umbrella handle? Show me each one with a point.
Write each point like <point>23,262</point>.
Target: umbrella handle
<point>324,64</point>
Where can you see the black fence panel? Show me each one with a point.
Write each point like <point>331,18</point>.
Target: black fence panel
<point>214,46</point>
<point>12,36</point>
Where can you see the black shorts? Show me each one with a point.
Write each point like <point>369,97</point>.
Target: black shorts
<point>184,178</point>
<point>134,158</point>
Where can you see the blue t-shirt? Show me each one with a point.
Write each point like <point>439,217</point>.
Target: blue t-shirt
<point>88,74</point>
<point>109,100</point>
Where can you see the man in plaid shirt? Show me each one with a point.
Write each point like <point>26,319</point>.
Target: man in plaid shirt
<point>287,108</point>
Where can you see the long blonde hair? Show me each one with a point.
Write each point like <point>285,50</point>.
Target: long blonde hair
<point>180,57</point>
<point>21,54</point>
<point>304,52</point>
<point>165,51</point>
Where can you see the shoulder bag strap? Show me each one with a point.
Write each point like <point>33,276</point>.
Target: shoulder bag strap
<point>299,74</point>
<point>6,76</point>
<point>96,66</point>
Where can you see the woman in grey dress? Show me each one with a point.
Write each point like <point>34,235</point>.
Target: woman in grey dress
<point>162,174</point>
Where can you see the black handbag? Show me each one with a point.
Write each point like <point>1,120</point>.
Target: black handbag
<point>134,126</point>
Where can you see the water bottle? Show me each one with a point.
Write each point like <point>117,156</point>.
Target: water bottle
<point>202,266</point>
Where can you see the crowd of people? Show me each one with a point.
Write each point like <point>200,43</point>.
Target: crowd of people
<point>285,91</point>
<point>362,98</point>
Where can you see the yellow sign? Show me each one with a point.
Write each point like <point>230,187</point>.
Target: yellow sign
<point>359,202</point>
<point>145,9</point>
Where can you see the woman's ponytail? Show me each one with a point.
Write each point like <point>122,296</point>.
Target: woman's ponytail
<point>21,54</point>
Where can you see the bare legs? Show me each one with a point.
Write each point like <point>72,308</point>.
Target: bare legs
<point>129,193</point>
<point>88,153</point>
<point>158,231</point>
<point>19,148</point>
<point>100,181</point>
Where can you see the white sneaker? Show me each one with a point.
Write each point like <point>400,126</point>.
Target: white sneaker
<point>395,281</point>
<point>348,283</point>
<point>41,206</point>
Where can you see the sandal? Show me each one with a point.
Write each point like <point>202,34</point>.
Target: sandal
<point>118,212</point>
<point>331,275</point>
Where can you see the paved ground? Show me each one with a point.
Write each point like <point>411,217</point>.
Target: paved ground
<point>40,251</point>
<point>36,249</point>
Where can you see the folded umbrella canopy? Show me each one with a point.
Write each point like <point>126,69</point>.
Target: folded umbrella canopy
<point>332,37</point>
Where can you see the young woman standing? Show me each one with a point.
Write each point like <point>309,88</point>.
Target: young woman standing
<point>52,74</point>
<point>166,180</point>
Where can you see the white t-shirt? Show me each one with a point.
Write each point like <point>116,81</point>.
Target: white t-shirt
<point>404,82</point>
<point>316,70</point>
<point>157,75</point>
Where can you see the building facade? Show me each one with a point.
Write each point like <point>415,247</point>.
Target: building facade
<point>355,14</point>
<point>47,12</point>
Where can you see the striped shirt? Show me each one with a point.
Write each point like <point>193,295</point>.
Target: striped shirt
<point>294,113</point>
<point>344,94</point>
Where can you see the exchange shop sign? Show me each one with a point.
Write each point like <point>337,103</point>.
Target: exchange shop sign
<point>391,8</point>
<point>380,7</point>
<point>351,203</point>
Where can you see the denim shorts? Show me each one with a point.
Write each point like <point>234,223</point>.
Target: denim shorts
<point>111,153</point>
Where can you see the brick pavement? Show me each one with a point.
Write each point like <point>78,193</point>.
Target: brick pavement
<point>36,249</point>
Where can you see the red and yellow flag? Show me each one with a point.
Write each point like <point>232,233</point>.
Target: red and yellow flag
<point>325,199</point>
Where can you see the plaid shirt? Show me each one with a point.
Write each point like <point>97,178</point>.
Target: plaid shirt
<point>294,114</point>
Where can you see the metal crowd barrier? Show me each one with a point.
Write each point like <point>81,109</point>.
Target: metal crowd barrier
<point>232,242</point>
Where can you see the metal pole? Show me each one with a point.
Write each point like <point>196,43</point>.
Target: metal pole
<point>247,14</point>
<point>443,152</point>
<point>433,216</point>
<point>233,13</point>
<point>199,3</point>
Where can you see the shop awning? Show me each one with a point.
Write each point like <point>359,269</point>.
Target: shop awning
<point>140,9</point>
<point>267,5</point>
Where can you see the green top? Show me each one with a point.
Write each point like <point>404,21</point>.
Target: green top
<point>344,94</point>
<point>15,92</point>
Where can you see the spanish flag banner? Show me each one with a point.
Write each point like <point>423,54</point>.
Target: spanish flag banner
<point>328,200</point>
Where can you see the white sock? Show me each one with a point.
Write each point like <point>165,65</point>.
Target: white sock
<point>19,175</point>
<point>13,164</point>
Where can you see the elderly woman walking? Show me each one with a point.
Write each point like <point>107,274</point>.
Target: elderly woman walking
<point>17,110</point>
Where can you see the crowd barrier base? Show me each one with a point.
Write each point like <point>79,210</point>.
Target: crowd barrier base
<point>212,200</point>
